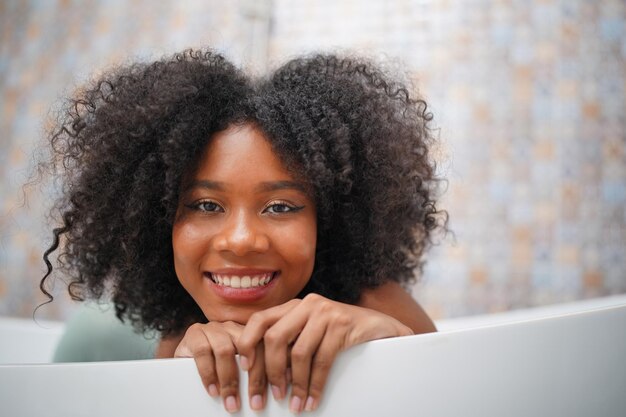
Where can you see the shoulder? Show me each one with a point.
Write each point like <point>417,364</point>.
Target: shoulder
<point>167,346</point>
<point>390,298</point>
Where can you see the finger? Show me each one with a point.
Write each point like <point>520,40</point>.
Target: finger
<point>320,367</point>
<point>196,345</point>
<point>255,329</point>
<point>257,381</point>
<point>227,371</point>
<point>302,354</point>
<point>232,328</point>
<point>205,363</point>
<point>278,340</point>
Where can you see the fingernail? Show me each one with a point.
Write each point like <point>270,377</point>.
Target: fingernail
<point>213,392</point>
<point>294,405</point>
<point>277,393</point>
<point>243,363</point>
<point>310,404</point>
<point>230,403</point>
<point>256,402</point>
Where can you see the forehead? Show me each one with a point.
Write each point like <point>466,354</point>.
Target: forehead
<point>241,154</point>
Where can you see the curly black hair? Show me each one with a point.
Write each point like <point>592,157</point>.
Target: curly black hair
<point>124,143</point>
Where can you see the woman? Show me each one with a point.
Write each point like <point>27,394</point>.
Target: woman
<point>275,219</point>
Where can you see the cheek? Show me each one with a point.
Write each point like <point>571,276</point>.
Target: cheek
<point>188,245</point>
<point>298,247</point>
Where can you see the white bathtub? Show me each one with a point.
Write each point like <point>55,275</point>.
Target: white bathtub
<point>24,341</point>
<point>566,360</point>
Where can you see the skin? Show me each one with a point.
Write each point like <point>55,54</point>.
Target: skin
<point>242,212</point>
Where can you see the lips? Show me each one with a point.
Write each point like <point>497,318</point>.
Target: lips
<point>242,285</point>
<point>242,281</point>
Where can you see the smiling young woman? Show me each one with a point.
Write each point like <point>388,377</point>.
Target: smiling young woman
<point>244,241</point>
<point>276,219</point>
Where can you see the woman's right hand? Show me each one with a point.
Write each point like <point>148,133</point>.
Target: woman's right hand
<point>212,345</point>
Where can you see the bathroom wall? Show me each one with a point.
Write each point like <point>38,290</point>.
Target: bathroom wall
<point>530,98</point>
<point>529,105</point>
<point>47,48</point>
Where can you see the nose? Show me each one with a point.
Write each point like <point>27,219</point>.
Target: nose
<point>241,235</point>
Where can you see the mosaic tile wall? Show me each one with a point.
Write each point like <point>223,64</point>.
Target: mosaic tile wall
<point>529,97</point>
<point>47,48</point>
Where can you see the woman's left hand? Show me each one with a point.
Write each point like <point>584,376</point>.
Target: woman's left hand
<point>306,335</point>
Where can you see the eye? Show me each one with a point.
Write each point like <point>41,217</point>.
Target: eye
<point>281,208</point>
<point>206,206</point>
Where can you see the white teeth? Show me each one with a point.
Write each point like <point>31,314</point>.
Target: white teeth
<point>246,281</point>
<point>235,282</point>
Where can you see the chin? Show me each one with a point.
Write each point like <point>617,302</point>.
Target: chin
<point>241,315</point>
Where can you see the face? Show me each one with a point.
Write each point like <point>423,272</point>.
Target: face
<point>245,231</point>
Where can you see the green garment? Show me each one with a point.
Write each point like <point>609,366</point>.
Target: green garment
<point>94,334</point>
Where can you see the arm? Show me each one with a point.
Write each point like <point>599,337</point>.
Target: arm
<point>391,299</point>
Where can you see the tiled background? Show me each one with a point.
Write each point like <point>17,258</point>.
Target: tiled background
<point>529,97</point>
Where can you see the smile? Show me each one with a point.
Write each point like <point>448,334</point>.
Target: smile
<point>242,281</point>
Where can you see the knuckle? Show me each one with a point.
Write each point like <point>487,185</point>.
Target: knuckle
<point>207,377</point>
<point>257,384</point>
<point>256,318</point>
<point>320,304</point>
<point>195,327</point>
<point>233,328</point>
<point>194,343</point>
<point>299,354</point>
<point>275,376</point>
<point>295,301</point>
<point>342,319</point>
<point>192,330</point>
<point>322,363</point>
<point>187,349</point>
<point>230,325</point>
<point>232,385</point>
<point>299,388</point>
<point>245,345</point>
<point>224,349</point>
<point>245,349</point>
<point>325,306</point>
<point>316,389</point>
<point>272,338</point>
<point>183,351</point>
<point>313,297</point>
<point>202,350</point>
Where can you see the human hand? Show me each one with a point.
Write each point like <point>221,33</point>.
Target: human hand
<point>212,345</point>
<point>308,334</point>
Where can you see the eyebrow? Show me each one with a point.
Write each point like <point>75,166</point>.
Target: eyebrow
<point>262,187</point>
<point>281,185</point>
<point>210,185</point>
